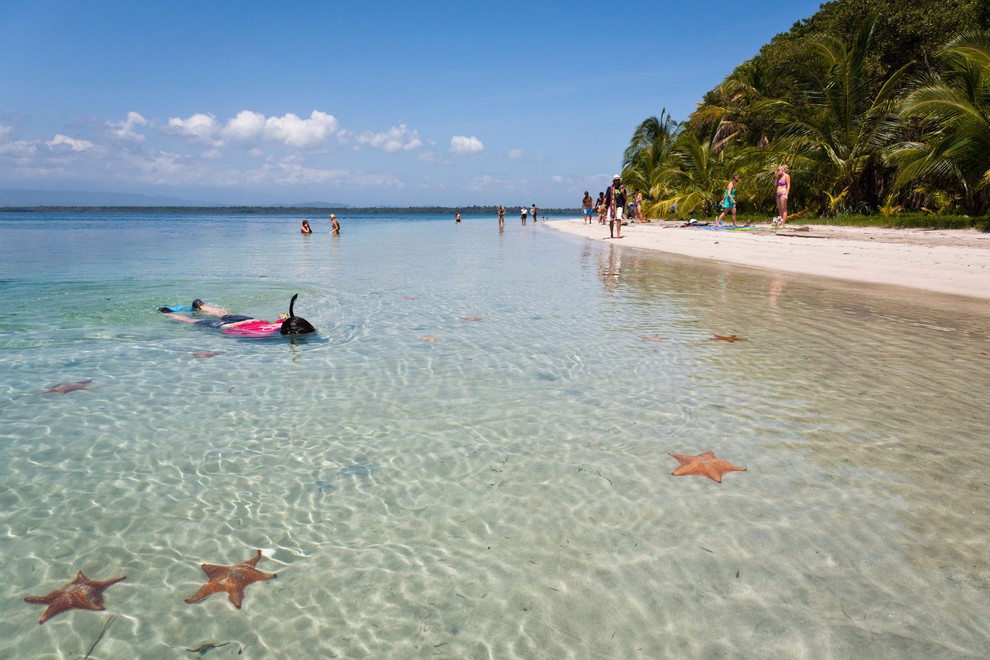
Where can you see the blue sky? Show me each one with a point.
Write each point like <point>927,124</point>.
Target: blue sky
<point>378,104</point>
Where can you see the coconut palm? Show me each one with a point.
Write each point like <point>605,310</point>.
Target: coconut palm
<point>847,123</point>
<point>954,108</point>
<point>648,153</point>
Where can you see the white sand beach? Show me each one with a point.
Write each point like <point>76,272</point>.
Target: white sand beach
<point>955,262</point>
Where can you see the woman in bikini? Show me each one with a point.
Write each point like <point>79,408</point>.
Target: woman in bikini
<point>783,190</point>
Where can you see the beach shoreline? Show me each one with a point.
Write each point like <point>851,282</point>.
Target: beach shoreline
<point>954,262</point>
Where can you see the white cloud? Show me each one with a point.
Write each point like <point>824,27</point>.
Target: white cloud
<point>71,143</point>
<point>289,129</point>
<point>200,127</point>
<point>515,153</point>
<point>463,145</point>
<point>245,126</point>
<point>125,130</point>
<point>397,138</point>
<point>292,131</point>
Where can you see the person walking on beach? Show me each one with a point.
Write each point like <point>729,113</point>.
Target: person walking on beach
<point>601,207</point>
<point>586,205</point>
<point>639,206</point>
<point>728,201</point>
<point>334,225</point>
<point>783,191</point>
<point>615,199</point>
<point>523,211</point>
<point>501,215</point>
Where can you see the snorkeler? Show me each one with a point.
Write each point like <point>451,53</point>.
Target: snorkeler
<point>287,324</point>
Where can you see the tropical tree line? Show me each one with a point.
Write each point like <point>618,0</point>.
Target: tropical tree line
<point>867,119</point>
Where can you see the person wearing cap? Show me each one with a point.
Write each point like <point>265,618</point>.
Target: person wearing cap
<point>615,199</point>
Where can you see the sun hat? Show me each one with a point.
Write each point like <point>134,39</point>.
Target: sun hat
<point>616,178</point>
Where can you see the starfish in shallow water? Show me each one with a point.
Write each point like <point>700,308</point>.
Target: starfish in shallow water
<point>472,318</point>
<point>82,593</point>
<point>652,338</point>
<point>206,354</point>
<point>232,579</point>
<point>704,465</point>
<point>728,338</point>
<point>65,388</point>
<point>429,339</point>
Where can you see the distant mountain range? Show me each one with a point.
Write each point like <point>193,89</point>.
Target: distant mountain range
<point>23,197</point>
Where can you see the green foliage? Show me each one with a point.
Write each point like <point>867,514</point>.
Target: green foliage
<point>862,100</point>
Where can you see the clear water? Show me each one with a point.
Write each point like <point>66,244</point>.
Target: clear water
<point>429,486</point>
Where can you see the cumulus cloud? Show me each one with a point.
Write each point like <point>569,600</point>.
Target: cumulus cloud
<point>397,138</point>
<point>289,129</point>
<point>125,130</point>
<point>200,127</point>
<point>515,153</point>
<point>296,132</point>
<point>464,145</point>
<point>246,126</point>
<point>60,141</point>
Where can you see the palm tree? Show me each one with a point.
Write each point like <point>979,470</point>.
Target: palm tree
<point>846,124</point>
<point>954,111</point>
<point>648,153</point>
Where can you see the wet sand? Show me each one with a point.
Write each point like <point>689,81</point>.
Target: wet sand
<point>955,262</point>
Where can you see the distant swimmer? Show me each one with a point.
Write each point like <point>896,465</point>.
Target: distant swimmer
<point>287,324</point>
<point>305,229</point>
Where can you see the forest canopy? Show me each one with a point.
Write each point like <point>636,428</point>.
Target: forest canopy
<point>874,105</point>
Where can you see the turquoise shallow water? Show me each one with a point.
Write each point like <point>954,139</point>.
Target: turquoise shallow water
<point>430,486</point>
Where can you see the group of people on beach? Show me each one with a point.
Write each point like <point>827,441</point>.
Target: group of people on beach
<point>334,226</point>
<point>612,203</point>
<point>782,188</point>
<point>523,213</point>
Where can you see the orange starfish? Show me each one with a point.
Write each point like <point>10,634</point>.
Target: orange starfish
<point>728,338</point>
<point>82,593</point>
<point>704,465</point>
<point>472,318</point>
<point>232,579</point>
<point>652,338</point>
<point>201,355</point>
<point>65,388</point>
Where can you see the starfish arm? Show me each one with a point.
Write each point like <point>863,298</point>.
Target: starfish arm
<point>207,589</point>
<point>236,596</point>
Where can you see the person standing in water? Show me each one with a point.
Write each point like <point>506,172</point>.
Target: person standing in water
<point>306,229</point>
<point>535,211</point>
<point>586,205</point>
<point>334,225</point>
<point>615,199</point>
<point>522,212</point>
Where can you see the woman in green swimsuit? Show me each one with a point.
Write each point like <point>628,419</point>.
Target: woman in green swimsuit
<point>729,201</point>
